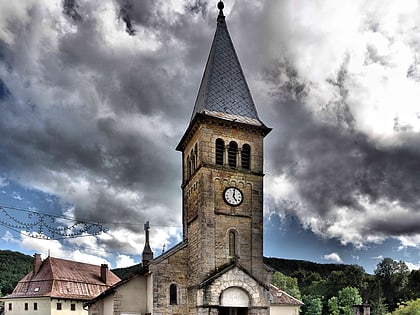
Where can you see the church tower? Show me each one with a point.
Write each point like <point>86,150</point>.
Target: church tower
<point>217,269</point>
<point>222,154</point>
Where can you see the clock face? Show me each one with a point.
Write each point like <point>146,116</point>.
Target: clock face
<point>233,196</point>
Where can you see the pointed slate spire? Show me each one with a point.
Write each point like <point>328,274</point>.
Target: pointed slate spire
<point>223,91</point>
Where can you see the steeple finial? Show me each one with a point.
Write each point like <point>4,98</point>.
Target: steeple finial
<point>220,6</point>
<point>220,17</point>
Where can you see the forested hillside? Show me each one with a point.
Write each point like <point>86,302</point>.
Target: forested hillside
<point>13,267</point>
<point>290,266</point>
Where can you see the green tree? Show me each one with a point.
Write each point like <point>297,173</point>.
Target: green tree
<point>355,277</point>
<point>13,267</point>
<point>409,308</point>
<point>348,297</point>
<point>287,284</point>
<point>414,284</point>
<point>313,305</point>
<point>335,282</point>
<point>379,307</point>
<point>393,277</point>
<point>333,306</point>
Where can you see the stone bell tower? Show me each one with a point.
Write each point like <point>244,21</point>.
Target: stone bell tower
<point>222,154</point>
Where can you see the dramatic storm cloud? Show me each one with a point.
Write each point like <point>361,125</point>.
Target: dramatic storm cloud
<point>348,120</point>
<point>94,97</point>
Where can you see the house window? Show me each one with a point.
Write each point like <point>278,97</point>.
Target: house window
<point>26,306</point>
<point>232,243</point>
<point>10,306</point>
<point>245,155</point>
<point>72,307</point>
<point>220,149</point>
<point>35,306</point>
<point>232,152</point>
<point>173,294</point>
<point>59,307</point>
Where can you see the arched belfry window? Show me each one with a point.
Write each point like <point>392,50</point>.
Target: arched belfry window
<point>220,151</point>
<point>192,161</point>
<point>196,155</point>
<point>232,153</point>
<point>232,243</point>
<point>188,167</point>
<point>173,294</point>
<point>245,156</point>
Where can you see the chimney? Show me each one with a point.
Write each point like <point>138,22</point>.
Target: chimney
<point>104,271</point>
<point>36,263</point>
<point>147,255</point>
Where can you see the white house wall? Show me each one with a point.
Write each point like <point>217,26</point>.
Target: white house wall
<point>284,310</point>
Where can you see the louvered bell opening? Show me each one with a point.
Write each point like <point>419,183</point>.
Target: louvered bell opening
<point>233,149</point>
<point>245,154</point>
<point>220,145</point>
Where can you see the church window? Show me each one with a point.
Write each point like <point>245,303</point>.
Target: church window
<point>220,150</point>
<point>35,306</point>
<point>59,306</point>
<point>232,152</point>
<point>72,307</point>
<point>245,156</point>
<point>173,294</point>
<point>10,306</point>
<point>26,306</point>
<point>232,243</point>
<point>188,167</point>
<point>196,155</point>
<point>192,161</point>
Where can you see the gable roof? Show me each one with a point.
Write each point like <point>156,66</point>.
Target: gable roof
<point>144,270</point>
<point>279,297</point>
<point>223,89</point>
<point>60,278</point>
<point>224,269</point>
<point>170,252</point>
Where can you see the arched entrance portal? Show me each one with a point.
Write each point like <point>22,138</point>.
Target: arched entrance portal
<point>234,301</point>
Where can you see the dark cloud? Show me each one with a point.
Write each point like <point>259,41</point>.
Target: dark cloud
<point>333,166</point>
<point>97,123</point>
<point>71,9</point>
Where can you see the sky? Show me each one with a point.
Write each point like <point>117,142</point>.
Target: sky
<point>95,96</point>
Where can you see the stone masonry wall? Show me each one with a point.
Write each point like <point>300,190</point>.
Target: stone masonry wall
<point>170,270</point>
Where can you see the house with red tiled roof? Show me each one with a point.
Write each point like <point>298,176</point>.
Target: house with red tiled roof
<point>58,286</point>
<point>282,303</point>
